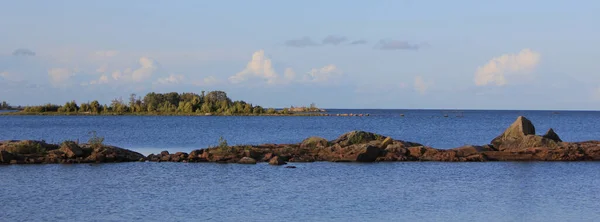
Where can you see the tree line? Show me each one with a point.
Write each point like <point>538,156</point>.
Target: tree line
<point>214,102</point>
<point>5,105</point>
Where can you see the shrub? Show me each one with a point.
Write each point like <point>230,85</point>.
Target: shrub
<point>223,146</point>
<point>95,141</point>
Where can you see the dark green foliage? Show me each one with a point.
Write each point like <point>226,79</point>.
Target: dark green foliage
<point>28,147</point>
<point>43,108</point>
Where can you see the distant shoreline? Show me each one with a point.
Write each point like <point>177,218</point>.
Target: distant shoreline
<point>21,113</point>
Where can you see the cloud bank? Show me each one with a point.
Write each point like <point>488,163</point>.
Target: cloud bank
<point>23,52</point>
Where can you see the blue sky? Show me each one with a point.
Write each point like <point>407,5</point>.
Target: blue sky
<point>338,54</point>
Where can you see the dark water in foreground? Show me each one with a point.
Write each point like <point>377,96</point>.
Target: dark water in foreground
<point>421,191</point>
<point>311,192</point>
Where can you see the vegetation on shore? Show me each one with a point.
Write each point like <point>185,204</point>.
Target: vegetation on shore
<point>172,103</point>
<point>6,106</point>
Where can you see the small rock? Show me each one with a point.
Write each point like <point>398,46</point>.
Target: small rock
<point>290,166</point>
<point>247,160</point>
<point>552,135</point>
<point>276,161</point>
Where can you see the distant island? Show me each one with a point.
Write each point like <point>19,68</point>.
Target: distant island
<point>172,103</point>
<point>311,108</point>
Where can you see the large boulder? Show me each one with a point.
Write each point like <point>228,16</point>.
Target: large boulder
<point>71,149</point>
<point>521,135</point>
<point>247,160</point>
<point>369,154</point>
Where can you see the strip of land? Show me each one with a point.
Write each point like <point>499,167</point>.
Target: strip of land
<point>167,104</point>
<point>517,143</point>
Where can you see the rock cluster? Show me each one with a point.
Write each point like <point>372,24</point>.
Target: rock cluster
<point>518,142</point>
<point>31,151</point>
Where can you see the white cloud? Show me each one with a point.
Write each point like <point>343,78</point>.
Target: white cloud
<point>211,80</point>
<point>259,67</point>
<point>60,76</point>
<point>116,75</point>
<point>148,67</point>
<point>102,80</point>
<point>171,79</point>
<point>289,74</point>
<point>498,68</point>
<point>323,74</point>
<point>106,53</point>
<point>102,69</point>
<point>421,85</point>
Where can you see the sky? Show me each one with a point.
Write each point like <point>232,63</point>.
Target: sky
<point>462,54</point>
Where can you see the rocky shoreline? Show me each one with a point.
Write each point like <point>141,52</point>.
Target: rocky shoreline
<point>517,143</point>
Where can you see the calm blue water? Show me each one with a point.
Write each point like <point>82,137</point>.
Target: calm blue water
<point>148,134</point>
<point>319,191</point>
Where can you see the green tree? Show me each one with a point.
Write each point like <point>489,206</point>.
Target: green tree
<point>95,106</point>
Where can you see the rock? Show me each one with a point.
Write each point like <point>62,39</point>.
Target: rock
<point>552,135</point>
<point>6,157</point>
<point>313,142</point>
<point>195,154</point>
<point>387,141</point>
<point>521,135</point>
<point>247,160</point>
<point>164,153</point>
<point>465,151</point>
<point>370,154</point>
<point>356,137</point>
<point>178,157</point>
<point>416,151</point>
<point>113,154</point>
<point>290,166</point>
<point>276,161</point>
<point>71,149</point>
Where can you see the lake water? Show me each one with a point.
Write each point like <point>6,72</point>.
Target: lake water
<point>322,191</point>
